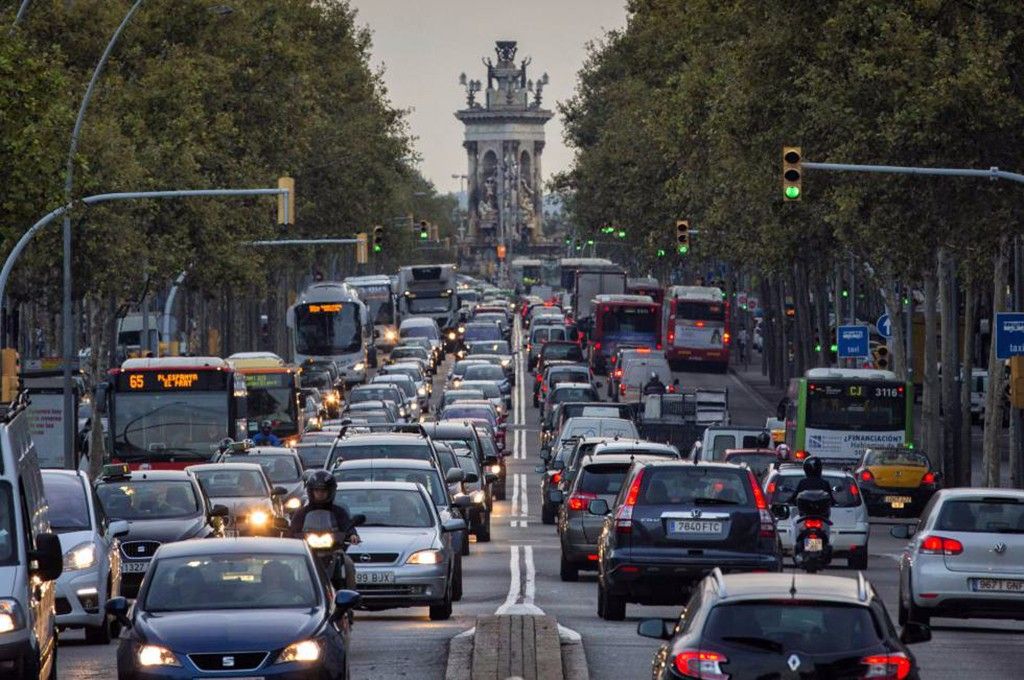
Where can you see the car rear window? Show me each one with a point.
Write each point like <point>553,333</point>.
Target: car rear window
<point>314,455</point>
<point>695,486</point>
<point>993,514</point>
<point>779,625</point>
<point>568,351</point>
<point>484,372</point>
<point>573,394</point>
<point>389,450</point>
<point>842,489</point>
<point>602,479</point>
<point>429,479</point>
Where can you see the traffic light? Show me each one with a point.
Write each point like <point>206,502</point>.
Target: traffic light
<point>424,230</point>
<point>881,357</point>
<point>660,252</point>
<point>683,236</point>
<point>621,233</point>
<point>378,239</point>
<point>791,173</point>
<point>286,202</point>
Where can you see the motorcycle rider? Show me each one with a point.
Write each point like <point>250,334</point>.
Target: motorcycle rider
<point>813,480</point>
<point>654,385</point>
<point>266,436</point>
<point>320,490</point>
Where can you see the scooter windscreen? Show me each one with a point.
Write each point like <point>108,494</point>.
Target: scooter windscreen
<point>319,528</point>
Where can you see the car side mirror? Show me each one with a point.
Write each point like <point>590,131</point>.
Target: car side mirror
<point>490,477</point>
<point>461,500</point>
<point>117,528</point>
<point>48,557</point>
<point>220,511</point>
<point>344,602</point>
<point>118,608</point>
<point>903,531</point>
<point>450,525</point>
<point>455,475</point>
<point>659,629</point>
<point>914,632</point>
<point>780,511</point>
<point>358,520</point>
<point>598,506</point>
<point>472,478</point>
<point>279,491</point>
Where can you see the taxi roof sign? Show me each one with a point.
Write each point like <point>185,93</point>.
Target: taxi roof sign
<point>115,470</point>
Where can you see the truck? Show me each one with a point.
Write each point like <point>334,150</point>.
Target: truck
<point>589,283</point>
<point>672,419</point>
<point>429,291</point>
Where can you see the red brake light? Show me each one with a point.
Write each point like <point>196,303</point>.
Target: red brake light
<point>895,666</point>
<point>854,490</point>
<point>692,663</point>
<point>937,545</point>
<point>634,489</point>
<point>597,345</point>
<point>556,478</point>
<point>699,324</point>
<point>929,478</point>
<point>771,487</point>
<point>539,377</point>
<point>622,388</point>
<point>725,338</point>
<point>615,357</point>
<point>579,500</point>
<point>643,350</point>
<point>618,372</point>
<point>671,337</point>
<point>756,490</point>
<point>799,455</point>
<point>866,476</point>
<point>671,389</point>
<point>814,523</point>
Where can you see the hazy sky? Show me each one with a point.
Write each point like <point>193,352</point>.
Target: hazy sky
<point>425,44</point>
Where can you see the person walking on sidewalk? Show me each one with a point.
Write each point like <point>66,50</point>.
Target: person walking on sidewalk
<point>743,340</point>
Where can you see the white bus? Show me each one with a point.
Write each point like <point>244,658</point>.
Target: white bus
<point>329,321</point>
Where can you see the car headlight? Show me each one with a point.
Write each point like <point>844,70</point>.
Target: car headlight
<point>11,616</point>
<point>320,541</point>
<point>495,469</point>
<point>154,655</point>
<point>414,406</point>
<point>293,503</point>
<point>452,335</point>
<point>425,557</point>
<point>303,652</point>
<point>462,329</point>
<point>358,366</point>
<point>456,383</point>
<point>82,556</point>
<point>259,518</point>
<point>505,363</point>
<point>499,409</point>
<point>478,496</point>
<point>401,411</point>
<point>390,335</point>
<point>422,391</point>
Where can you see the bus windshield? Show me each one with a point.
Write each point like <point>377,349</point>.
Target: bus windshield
<point>150,422</point>
<point>428,305</point>
<point>856,406</point>
<point>327,329</point>
<point>616,320</point>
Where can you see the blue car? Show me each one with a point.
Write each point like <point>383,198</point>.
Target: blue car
<point>235,607</point>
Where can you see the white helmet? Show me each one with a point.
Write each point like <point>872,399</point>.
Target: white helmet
<point>782,450</point>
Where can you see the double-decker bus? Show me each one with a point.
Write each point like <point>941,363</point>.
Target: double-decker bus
<point>836,413</point>
<point>378,295</point>
<point>329,322</point>
<point>272,389</point>
<point>171,412</point>
<point>696,326</point>
<point>646,286</point>
<point>630,320</point>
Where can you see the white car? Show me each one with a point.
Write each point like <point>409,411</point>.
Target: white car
<point>92,562</point>
<point>964,557</point>
<point>850,529</point>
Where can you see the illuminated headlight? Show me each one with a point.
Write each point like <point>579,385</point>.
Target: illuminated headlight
<point>11,616</point>
<point>456,383</point>
<point>414,406</point>
<point>494,469</point>
<point>320,541</point>
<point>422,391</point>
<point>391,335</point>
<point>402,412</point>
<point>358,366</point>
<point>154,655</point>
<point>259,518</point>
<point>505,363</point>
<point>478,497</point>
<point>332,398</point>
<point>425,557</point>
<point>462,329</point>
<point>499,409</point>
<point>461,354</point>
<point>303,652</point>
<point>82,556</point>
<point>452,335</point>
<point>293,504</point>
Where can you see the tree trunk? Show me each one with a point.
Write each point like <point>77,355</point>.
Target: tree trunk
<point>930,397</point>
<point>769,355</point>
<point>805,327</point>
<point>963,467</point>
<point>991,448</point>
<point>821,318</point>
<point>951,368</point>
<point>781,334</point>
<point>897,343</point>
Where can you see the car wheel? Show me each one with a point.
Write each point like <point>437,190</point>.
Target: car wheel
<point>443,611</point>
<point>547,513</point>
<point>483,532</point>
<point>457,587</point>
<point>614,608</point>
<point>98,635</point>
<point>567,570</point>
<point>858,560</point>
<point>499,489</point>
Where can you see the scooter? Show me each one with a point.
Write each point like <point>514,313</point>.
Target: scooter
<point>328,544</point>
<point>812,550</point>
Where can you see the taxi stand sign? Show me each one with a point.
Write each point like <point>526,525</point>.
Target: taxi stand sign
<point>852,342</point>
<point>1009,334</point>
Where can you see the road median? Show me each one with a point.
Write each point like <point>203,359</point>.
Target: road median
<point>532,647</point>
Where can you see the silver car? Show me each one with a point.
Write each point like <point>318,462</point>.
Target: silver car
<point>405,556</point>
<point>965,557</point>
<point>243,488</point>
<point>850,524</point>
<point>92,562</point>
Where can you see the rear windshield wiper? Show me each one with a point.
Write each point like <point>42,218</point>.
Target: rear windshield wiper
<point>759,643</point>
<point>714,501</point>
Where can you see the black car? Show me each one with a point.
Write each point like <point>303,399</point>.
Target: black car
<point>161,506</point>
<point>672,523</point>
<point>226,607</point>
<point>783,626</point>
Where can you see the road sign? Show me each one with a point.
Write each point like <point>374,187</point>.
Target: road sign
<point>1009,334</point>
<point>852,342</point>
<point>741,300</point>
<point>884,326</point>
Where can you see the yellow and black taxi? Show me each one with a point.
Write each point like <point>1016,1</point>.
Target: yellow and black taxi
<point>896,481</point>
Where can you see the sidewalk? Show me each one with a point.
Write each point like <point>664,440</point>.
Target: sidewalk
<point>751,376</point>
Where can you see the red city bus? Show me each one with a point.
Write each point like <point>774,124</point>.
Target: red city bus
<point>696,325</point>
<point>646,286</point>
<point>630,320</point>
<point>171,412</point>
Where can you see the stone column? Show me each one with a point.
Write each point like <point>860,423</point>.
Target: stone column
<point>538,191</point>
<point>472,188</point>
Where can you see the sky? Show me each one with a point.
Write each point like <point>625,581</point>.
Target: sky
<point>423,46</point>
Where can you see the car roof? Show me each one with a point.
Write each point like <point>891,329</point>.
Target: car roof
<point>690,464</point>
<point>234,546</point>
<point>749,586</point>
<point>480,403</point>
<point>150,476</point>
<point>390,438</point>
<point>960,493</point>
<point>387,463</point>
<point>572,385</point>
<point>448,427</point>
<point>418,321</point>
<point>264,451</point>
<point>379,485</point>
<point>612,458</point>
<point>640,444</point>
<point>205,467</point>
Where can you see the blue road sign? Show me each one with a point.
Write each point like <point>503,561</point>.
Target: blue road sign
<point>852,342</point>
<point>884,326</point>
<point>1009,334</point>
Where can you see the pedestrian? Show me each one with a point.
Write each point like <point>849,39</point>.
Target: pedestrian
<point>743,340</point>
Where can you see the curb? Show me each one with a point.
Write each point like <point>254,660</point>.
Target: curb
<point>460,656</point>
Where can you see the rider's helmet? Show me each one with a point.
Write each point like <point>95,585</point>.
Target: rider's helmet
<point>782,451</point>
<point>225,444</point>
<point>266,427</point>
<point>764,440</point>
<point>321,480</point>
<point>654,375</point>
<point>812,467</point>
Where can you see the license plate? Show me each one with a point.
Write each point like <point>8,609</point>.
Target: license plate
<point>998,585</point>
<point>375,577</point>
<point>897,502</point>
<point>812,544</point>
<point>134,567</point>
<point>244,677</point>
<point>695,526</point>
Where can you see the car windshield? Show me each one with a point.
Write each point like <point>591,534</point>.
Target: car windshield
<point>229,483</point>
<point>484,372</point>
<point>230,581</point>
<point>993,514</point>
<point>422,331</point>
<point>574,375</point>
<point>497,347</point>
<point>602,479</point>
<point>844,489</point>
<point>353,451</point>
<point>319,379</point>
<point>694,486</point>
<point>362,394</point>
<point>559,351</point>
<point>460,367</point>
<point>453,396</point>
<point>489,390</point>
<point>156,499</point>
<point>896,457</point>
<point>279,469</point>
<point>387,507</point>
<point>402,382</point>
<point>147,423</point>
<point>409,353</point>
<point>458,411</point>
<point>482,331</point>
<point>599,427</point>
<point>68,506</point>
<point>429,479</point>
<point>776,625</point>
<point>412,372</point>
<point>314,455</point>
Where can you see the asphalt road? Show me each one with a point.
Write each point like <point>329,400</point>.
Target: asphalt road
<point>518,572</point>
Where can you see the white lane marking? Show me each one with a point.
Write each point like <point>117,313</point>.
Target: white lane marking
<point>522,584</point>
<point>524,501</point>
<point>514,510</point>
<point>514,586</point>
<point>530,584</point>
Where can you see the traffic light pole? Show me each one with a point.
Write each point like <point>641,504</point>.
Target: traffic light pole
<point>992,173</point>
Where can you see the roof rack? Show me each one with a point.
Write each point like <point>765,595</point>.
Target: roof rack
<point>862,587</point>
<point>719,577</point>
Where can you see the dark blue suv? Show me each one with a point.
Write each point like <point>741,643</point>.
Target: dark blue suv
<point>672,524</point>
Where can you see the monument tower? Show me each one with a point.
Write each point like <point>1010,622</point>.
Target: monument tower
<point>504,145</point>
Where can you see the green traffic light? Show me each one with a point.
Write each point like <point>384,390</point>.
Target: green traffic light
<point>590,242</point>
<point>683,250</point>
<point>622,233</point>
<point>377,248</point>
<point>792,192</point>
<point>833,348</point>
<point>661,252</point>
<point>424,236</point>
<point>817,348</point>
<point>845,293</point>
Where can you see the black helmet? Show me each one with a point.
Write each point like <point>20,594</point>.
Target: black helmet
<point>225,444</point>
<point>323,480</point>
<point>812,467</point>
<point>266,426</point>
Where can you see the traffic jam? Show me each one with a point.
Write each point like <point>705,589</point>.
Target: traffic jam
<point>435,439</point>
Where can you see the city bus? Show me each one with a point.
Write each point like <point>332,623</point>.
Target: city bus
<point>630,320</point>
<point>836,413</point>
<point>696,326</point>
<point>378,295</point>
<point>329,322</point>
<point>171,412</point>
<point>646,286</point>
<point>272,389</point>
<point>429,291</point>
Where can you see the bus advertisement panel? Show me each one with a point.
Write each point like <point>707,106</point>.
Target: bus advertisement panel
<point>697,326</point>
<point>622,320</point>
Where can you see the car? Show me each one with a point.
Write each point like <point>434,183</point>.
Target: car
<point>475,485</point>
<point>759,461</point>
<point>568,391</point>
<point>419,472</point>
<point>554,418</point>
<point>553,473</point>
<point>414,403</point>
<point>490,391</point>
<point>482,330</point>
<point>160,506</point>
<point>503,362</point>
<point>962,560</point>
<point>849,531</point>
<point>671,524</point>
<point>481,409</point>
<point>391,411</point>
<point>412,369</point>
<point>313,454</point>
<point>489,373</point>
<point>282,466</point>
<point>622,350</point>
<point>422,327</point>
<point>228,606</point>
<point>452,396</point>
<point>897,481</point>
<point>404,353</point>
<point>379,392</point>
<point>425,343</point>
<point>636,372</point>
<point>455,432</point>
<point>253,503</point>
<point>494,460</point>
<point>363,445</point>
<point>594,426</point>
<point>558,372</point>
<point>538,337</point>
<point>783,626</point>
<point>92,561</point>
<point>458,370</point>
<point>330,394</point>
<point>717,439</point>
<point>560,350</point>
<point>411,560</point>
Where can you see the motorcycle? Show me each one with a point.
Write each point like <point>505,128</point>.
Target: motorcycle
<point>328,544</point>
<point>812,550</point>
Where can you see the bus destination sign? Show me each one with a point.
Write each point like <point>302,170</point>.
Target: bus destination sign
<point>170,381</point>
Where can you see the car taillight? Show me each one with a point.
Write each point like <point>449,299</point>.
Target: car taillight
<point>799,455</point>
<point>854,490</point>
<point>580,500</point>
<point>771,488</point>
<point>866,476</point>
<point>671,337</point>
<point>812,523</point>
<point>624,513</point>
<point>614,359</point>
<point>622,388</point>
<point>929,478</point>
<point>767,529</point>
<point>657,346</point>
<point>597,346</point>
<point>539,377</point>
<point>694,663</point>
<point>618,372</point>
<point>725,338</point>
<point>938,545</point>
<point>895,666</point>
<point>556,478</point>
<point>671,389</point>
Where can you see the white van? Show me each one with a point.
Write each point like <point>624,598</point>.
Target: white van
<point>30,556</point>
<point>718,438</point>
<point>636,371</point>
